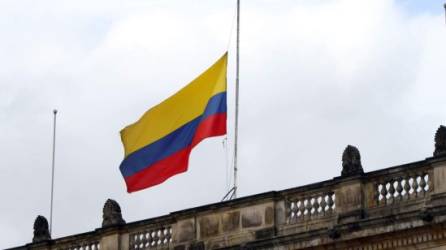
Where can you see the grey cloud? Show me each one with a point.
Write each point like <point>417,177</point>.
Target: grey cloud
<point>312,82</point>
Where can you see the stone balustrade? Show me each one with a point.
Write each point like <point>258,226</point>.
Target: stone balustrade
<point>311,206</point>
<point>156,234</point>
<point>407,184</point>
<point>79,244</point>
<point>392,208</point>
<point>85,241</point>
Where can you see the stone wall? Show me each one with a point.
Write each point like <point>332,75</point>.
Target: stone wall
<point>402,207</point>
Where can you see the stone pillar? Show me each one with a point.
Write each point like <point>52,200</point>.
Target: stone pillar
<point>439,172</point>
<point>279,213</point>
<point>111,238</point>
<point>184,231</point>
<point>350,191</point>
<point>438,163</point>
<point>350,200</point>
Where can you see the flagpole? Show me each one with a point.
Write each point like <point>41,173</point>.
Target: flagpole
<point>445,10</point>
<point>236,98</point>
<point>52,169</point>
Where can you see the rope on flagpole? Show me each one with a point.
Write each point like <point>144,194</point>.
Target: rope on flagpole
<point>227,167</point>
<point>232,193</point>
<point>231,31</point>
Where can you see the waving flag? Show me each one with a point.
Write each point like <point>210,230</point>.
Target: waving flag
<point>158,145</point>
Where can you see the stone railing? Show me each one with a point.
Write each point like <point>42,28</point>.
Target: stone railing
<point>306,206</point>
<point>79,245</point>
<point>86,241</point>
<point>151,235</point>
<point>398,198</point>
<point>404,185</point>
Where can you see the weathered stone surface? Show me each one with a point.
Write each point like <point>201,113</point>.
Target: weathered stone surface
<point>265,233</point>
<point>367,211</point>
<point>197,246</point>
<point>111,214</point>
<point>280,215</point>
<point>334,233</point>
<point>41,229</point>
<point>231,221</point>
<point>349,197</point>
<point>351,162</point>
<point>180,247</point>
<point>269,215</point>
<point>209,226</point>
<point>251,219</point>
<point>185,231</point>
<point>440,141</point>
<point>110,242</point>
<point>426,215</point>
<point>124,241</point>
<point>439,178</point>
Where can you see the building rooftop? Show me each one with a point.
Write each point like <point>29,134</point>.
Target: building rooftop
<point>393,208</point>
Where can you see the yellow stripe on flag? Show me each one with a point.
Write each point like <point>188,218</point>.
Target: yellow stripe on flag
<point>179,109</point>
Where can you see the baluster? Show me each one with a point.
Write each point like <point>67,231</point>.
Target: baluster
<point>429,182</point>
<point>384,193</point>
<point>295,210</point>
<point>316,206</point>
<point>391,191</point>
<point>290,206</point>
<point>330,203</point>
<point>323,204</point>
<point>407,187</point>
<point>308,207</point>
<point>378,193</point>
<point>422,184</point>
<point>147,239</point>
<point>302,209</point>
<point>415,186</point>
<point>159,233</point>
<point>151,239</point>
<point>288,210</point>
<point>136,242</point>
<point>169,234</point>
<point>166,235</point>
<point>399,188</point>
<point>162,237</point>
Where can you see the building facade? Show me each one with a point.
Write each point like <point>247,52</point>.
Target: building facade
<point>402,207</point>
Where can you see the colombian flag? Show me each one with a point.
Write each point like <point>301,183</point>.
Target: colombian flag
<point>158,145</point>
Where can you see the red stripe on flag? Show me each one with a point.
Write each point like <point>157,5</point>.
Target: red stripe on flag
<point>214,125</point>
<point>177,163</point>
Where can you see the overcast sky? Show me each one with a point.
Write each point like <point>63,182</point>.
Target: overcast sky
<point>315,76</point>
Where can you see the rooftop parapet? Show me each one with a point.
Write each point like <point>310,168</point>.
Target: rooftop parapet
<point>393,208</point>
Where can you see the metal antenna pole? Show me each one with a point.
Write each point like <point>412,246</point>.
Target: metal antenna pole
<point>52,171</point>
<point>445,10</point>
<point>236,98</point>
